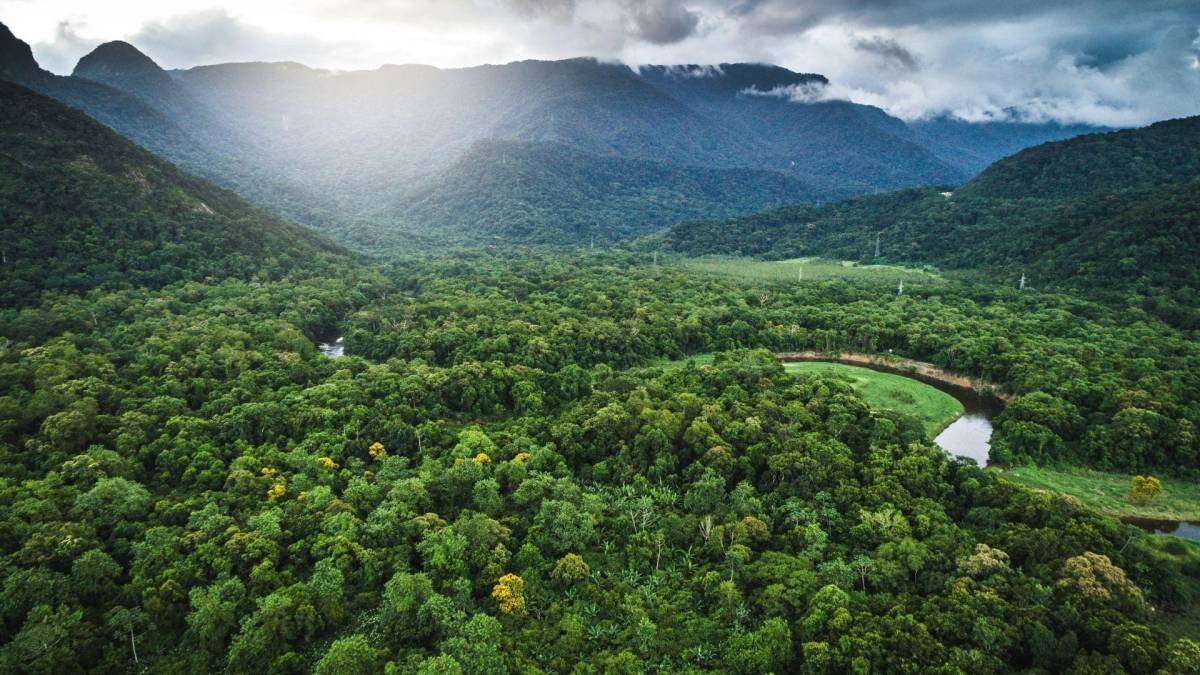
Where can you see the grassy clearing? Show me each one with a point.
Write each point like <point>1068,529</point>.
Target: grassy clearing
<point>1108,492</point>
<point>699,359</point>
<point>815,269</point>
<point>884,391</point>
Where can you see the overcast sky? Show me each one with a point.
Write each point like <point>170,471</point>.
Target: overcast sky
<point>1117,62</point>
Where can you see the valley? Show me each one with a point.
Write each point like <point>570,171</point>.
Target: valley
<point>585,367</point>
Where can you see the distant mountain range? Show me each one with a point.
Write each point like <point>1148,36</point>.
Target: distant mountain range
<point>1111,213</point>
<point>369,154</point>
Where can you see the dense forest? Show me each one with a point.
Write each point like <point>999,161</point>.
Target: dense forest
<point>550,194</point>
<point>492,482</point>
<point>1113,214</point>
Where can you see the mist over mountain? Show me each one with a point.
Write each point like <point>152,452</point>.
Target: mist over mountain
<point>82,207</point>
<point>348,150</point>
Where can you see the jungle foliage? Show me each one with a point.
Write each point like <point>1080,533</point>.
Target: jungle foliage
<point>485,485</point>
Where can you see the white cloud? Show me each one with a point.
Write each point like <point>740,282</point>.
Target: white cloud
<point>1101,61</point>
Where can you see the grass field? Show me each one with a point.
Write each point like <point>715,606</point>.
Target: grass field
<point>884,391</point>
<point>814,269</point>
<point>1108,492</point>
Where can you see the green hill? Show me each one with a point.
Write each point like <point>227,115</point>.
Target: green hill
<point>549,193</point>
<point>1112,214</point>
<point>1166,152</point>
<point>81,206</point>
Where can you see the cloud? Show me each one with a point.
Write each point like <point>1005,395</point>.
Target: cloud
<point>805,92</point>
<point>1100,61</point>
<point>558,10</point>
<point>663,22</point>
<point>214,36</point>
<point>62,53</point>
<point>888,49</point>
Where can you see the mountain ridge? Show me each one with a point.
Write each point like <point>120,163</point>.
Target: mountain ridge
<point>328,147</point>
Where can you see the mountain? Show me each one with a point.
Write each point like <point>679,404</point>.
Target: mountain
<point>549,193</point>
<point>972,146</point>
<point>385,136</point>
<point>328,148</point>
<point>80,206</point>
<point>1165,152</point>
<point>122,66</point>
<point>1109,213</point>
<point>128,92</point>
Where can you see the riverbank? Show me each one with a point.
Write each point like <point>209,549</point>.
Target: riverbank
<point>1109,492</point>
<point>885,391</point>
<point>919,370</point>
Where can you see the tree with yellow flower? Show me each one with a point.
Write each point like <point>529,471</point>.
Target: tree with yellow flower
<point>276,492</point>
<point>509,593</point>
<point>377,451</point>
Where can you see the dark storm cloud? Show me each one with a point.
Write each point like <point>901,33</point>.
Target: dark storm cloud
<point>663,22</point>
<point>888,49</point>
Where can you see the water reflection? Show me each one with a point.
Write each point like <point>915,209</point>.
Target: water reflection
<point>968,436</point>
<point>1181,529</point>
<point>332,349</point>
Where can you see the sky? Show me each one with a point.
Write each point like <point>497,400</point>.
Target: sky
<point>1110,62</point>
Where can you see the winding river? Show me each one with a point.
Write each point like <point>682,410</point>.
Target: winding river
<point>970,435</point>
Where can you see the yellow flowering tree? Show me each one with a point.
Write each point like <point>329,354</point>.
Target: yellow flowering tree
<point>509,594</point>
<point>1144,488</point>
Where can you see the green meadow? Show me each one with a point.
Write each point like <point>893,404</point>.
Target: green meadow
<point>885,391</point>
<point>809,269</point>
<point>1109,492</point>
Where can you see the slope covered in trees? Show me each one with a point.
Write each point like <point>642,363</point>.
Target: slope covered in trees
<point>81,207</point>
<point>126,91</point>
<point>1162,153</point>
<point>186,478</point>
<point>1108,213</point>
<point>550,193</point>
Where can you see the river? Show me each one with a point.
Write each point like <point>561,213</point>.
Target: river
<point>333,349</point>
<point>970,435</point>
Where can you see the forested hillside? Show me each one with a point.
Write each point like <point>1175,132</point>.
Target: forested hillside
<point>82,207</point>
<point>548,193</point>
<point>127,92</point>
<point>1108,213</point>
<point>1162,153</point>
